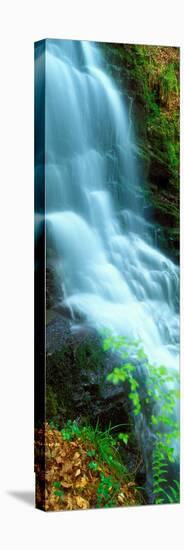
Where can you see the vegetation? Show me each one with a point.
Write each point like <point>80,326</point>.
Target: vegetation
<point>108,448</point>
<point>159,403</point>
<point>83,470</point>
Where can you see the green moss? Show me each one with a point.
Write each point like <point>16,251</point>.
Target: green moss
<point>168,83</point>
<point>150,75</point>
<point>51,403</point>
<point>70,375</point>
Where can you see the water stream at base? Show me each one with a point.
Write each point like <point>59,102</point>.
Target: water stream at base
<point>109,269</point>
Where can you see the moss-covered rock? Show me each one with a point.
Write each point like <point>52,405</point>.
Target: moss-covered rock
<point>76,380</point>
<point>149,79</point>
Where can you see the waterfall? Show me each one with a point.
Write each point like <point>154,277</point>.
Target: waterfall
<point>109,269</point>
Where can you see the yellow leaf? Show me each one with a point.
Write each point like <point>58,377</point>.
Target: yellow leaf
<point>121,498</point>
<point>76,456</point>
<point>82,503</point>
<point>77,473</point>
<point>82,483</point>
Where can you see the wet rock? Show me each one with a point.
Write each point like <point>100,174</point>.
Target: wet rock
<point>77,369</point>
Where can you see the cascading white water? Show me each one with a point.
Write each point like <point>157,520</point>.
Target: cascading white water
<point>110,272</point>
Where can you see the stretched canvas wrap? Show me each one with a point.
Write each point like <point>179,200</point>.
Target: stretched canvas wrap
<point>106,274</point>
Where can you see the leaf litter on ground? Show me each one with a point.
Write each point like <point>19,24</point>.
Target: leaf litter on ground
<point>69,481</point>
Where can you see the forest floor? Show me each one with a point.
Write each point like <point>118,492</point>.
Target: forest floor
<point>83,470</point>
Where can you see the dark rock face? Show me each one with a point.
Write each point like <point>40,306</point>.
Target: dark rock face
<point>51,286</point>
<point>77,368</point>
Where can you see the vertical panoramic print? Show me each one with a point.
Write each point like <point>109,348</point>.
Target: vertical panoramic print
<point>106,275</point>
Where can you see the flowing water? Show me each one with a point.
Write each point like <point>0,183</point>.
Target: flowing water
<point>109,268</point>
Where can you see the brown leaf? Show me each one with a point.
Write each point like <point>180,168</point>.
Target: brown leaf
<point>67,468</point>
<point>59,459</point>
<point>48,476</point>
<point>66,484</point>
<point>77,463</point>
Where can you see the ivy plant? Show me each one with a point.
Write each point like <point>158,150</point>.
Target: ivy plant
<point>156,399</point>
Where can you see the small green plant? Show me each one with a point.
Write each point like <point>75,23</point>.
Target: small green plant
<point>58,491</point>
<point>103,443</point>
<point>57,484</point>
<point>107,491</point>
<point>173,495</point>
<point>123,437</point>
<point>163,494</point>
<point>91,453</point>
<point>70,430</point>
<point>93,466</point>
<point>53,425</point>
<point>127,371</point>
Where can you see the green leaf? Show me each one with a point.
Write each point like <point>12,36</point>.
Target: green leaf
<point>93,466</point>
<point>59,493</point>
<point>160,501</point>
<point>91,453</point>
<point>159,490</point>
<point>141,354</point>
<point>56,484</point>
<point>107,344</point>
<point>154,420</point>
<point>162,370</point>
<point>123,437</point>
